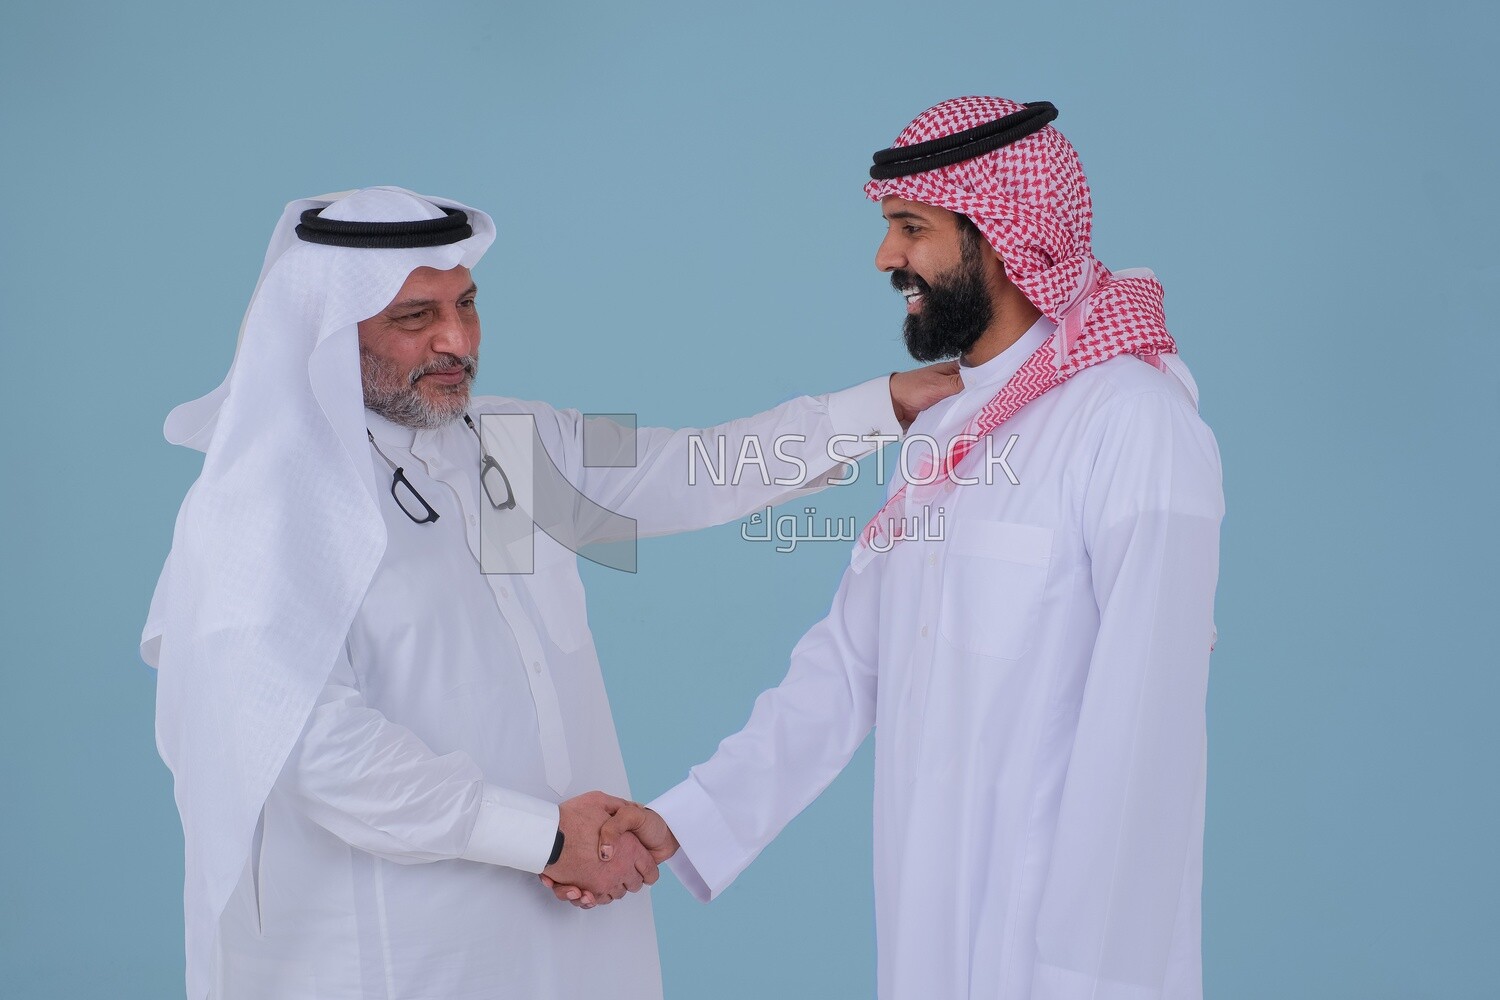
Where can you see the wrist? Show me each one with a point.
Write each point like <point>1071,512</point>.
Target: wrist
<point>669,845</point>
<point>904,416</point>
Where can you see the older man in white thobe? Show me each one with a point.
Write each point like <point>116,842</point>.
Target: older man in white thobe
<point>376,745</point>
<point>1035,669</point>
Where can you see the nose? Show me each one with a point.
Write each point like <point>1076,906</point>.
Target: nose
<point>889,256</point>
<point>451,336</point>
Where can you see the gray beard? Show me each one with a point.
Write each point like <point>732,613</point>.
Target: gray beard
<point>395,397</point>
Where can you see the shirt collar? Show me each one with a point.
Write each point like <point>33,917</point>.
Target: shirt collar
<point>994,372</point>
<point>981,383</point>
<point>388,431</point>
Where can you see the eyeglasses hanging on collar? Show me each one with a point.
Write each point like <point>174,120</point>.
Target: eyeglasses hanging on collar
<point>402,490</point>
<point>489,470</point>
<point>491,476</point>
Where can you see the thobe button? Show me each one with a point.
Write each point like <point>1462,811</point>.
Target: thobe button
<point>473,519</point>
<point>505,592</point>
<point>932,559</point>
<point>924,631</point>
<point>536,666</point>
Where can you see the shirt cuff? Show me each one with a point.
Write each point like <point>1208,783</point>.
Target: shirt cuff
<point>709,857</point>
<point>864,410</point>
<point>513,830</point>
<point>681,865</point>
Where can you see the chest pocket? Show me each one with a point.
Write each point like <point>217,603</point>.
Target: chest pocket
<point>993,581</point>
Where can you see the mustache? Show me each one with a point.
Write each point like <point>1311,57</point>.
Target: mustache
<point>902,280</point>
<point>442,365</point>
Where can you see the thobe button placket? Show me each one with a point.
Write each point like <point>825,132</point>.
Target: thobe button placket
<point>556,761</point>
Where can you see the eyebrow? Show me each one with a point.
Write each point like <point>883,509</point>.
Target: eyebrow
<point>415,303</point>
<point>903,214</point>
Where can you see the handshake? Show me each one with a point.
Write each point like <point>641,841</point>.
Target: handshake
<point>610,847</point>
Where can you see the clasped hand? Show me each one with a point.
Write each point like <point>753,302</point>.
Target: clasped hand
<point>611,846</point>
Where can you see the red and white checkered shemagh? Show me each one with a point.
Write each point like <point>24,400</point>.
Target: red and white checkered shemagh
<point>1031,201</point>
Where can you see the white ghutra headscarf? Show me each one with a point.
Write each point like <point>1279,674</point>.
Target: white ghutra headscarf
<point>277,541</point>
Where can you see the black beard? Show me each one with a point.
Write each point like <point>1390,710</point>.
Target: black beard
<point>955,311</point>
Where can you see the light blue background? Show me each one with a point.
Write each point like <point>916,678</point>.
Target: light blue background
<point>682,235</point>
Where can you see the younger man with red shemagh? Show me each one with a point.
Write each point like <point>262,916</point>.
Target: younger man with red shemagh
<point>1036,676</point>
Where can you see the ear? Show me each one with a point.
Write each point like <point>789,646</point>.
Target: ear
<point>995,271</point>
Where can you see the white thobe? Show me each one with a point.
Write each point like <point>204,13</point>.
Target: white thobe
<point>1036,680</point>
<point>396,855</point>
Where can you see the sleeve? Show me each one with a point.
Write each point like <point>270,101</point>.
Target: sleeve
<point>799,737</point>
<point>668,481</point>
<point>1119,912</point>
<point>377,787</point>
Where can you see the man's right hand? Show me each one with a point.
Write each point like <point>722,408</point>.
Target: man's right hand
<point>581,867</point>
